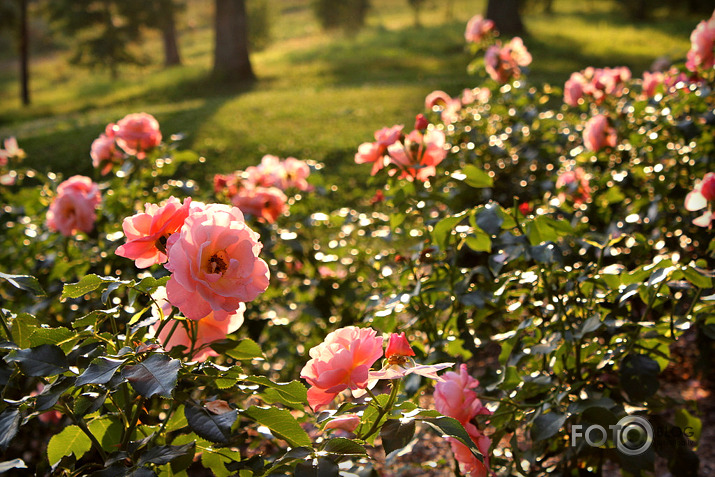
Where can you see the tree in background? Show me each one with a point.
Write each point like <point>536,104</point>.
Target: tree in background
<point>103,30</point>
<point>416,6</point>
<point>13,16</point>
<point>166,19</point>
<point>506,16</point>
<point>231,60</point>
<point>348,15</point>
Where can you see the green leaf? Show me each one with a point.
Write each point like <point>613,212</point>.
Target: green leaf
<point>479,242</point>
<point>99,371</point>
<point>639,376</point>
<point>293,392</point>
<point>324,467</point>
<point>246,349</point>
<point>87,284</point>
<point>397,433</point>
<point>216,460</point>
<point>51,394</point>
<point>546,425</point>
<point>62,337</point>
<point>695,276</point>
<point>24,282</point>
<point>108,432</point>
<point>343,446</point>
<point>443,229</point>
<point>70,441</point>
<point>157,374</point>
<point>93,318</point>
<point>9,424</point>
<point>177,420</point>
<point>212,427</point>
<point>281,423</point>
<point>23,326</point>
<point>476,177</point>
<point>690,425</point>
<point>44,360</point>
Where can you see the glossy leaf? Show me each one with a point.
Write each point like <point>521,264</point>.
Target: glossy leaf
<point>157,374</point>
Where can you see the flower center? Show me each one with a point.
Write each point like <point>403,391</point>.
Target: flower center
<point>218,263</point>
<point>398,359</point>
<point>160,244</point>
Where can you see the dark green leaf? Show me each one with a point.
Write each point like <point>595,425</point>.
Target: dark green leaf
<point>325,467</point>
<point>62,337</point>
<point>443,229</point>
<point>212,427</point>
<point>639,376</point>
<point>397,433</point>
<point>451,427</point>
<point>51,394</point>
<point>87,284</point>
<point>489,220</point>
<point>24,282</point>
<point>281,423</point>
<point>9,424</point>
<point>44,360</point>
<point>99,371</point>
<point>155,375</point>
<point>161,455</point>
<point>547,425</point>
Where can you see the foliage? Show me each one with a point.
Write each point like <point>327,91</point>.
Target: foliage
<point>348,15</point>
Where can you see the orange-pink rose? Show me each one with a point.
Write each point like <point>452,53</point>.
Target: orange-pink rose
<point>341,362</point>
<point>214,263</point>
<point>137,133</point>
<point>347,422</point>
<point>265,203</point>
<point>417,157</point>
<point>147,233</point>
<point>74,207</point>
<point>701,197</point>
<point>104,152</point>
<point>504,63</point>
<point>598,133</point>
<point>702,43</point>
<point>477,29</point>
<point>574,185</point>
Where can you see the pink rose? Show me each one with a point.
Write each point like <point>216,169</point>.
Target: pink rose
<point>347,422</point>
<point>74,207</point>
<point>137,133</point>
<point>503,62</point>
<point>651,82</point>
<point>374,152</point>
<point>265,203</point>
<point>454,397</point>
<point>700,197</point>
<point>104,153</point>
<point>574,185</point>
<point>214,263</point>
<point>147,233</point>
<point>398,347</point>
<point>702,42</point>
<point>419,154</point>
<point>440,101</point>
<point>342,361</point>
<point>295,174</point>
<point>436,98</point>
<point>477,29</point>
<point>574,88</point>
<point>269,173</point>
<point>11,151</point>
<point>598,133</point>
<point>208,330</point>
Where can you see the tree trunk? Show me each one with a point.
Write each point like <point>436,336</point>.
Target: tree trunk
<point>168,34</point>
<point>24,55</point>
<point>231,60</point>
<point>506,17</point>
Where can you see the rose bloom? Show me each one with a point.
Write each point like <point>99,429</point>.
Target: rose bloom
<point>74,207</point>
<point>342,361</point>
<point>295,174</point>
<point>347,422</point>
<point>374,152</point>
<point>702,42</point>
<point>11,150</point>
<point>503,62</point>
<point>574,88</point>
<point>700,197</point>
<point>454,397</point>
<point>137,133</point>
<point>574,185</point>
<point>598,133</point>
<point>447,106</point>
<point>472,95</point>
<point>104,151</point>
<point>269,173</point>
<point>147,233</point>
<point>651,82</point>
<point>265,203</point>
<point>477,29</point>
<point>399,362</point>
<point>214,263</point>
<point>419,154</point>
<point>228,184</point>
<point>208,329</point>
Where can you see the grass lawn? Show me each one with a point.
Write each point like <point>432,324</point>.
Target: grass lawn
<point>318,96</point>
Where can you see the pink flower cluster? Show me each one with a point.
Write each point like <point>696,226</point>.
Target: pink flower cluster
<point>259,190</point>
<point>504,63</point>
<point>595,83</point>
<point>10,151</point>
<point>598,133</point>
<point>135,134</point>
<point>454,397</point>
<point>666,81</point>
<point>701,55</point>
<point>413,156</point>
<point>478,29</point>
<point>74,207</point>
<point>210,251</point>
<point>702,197</point>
